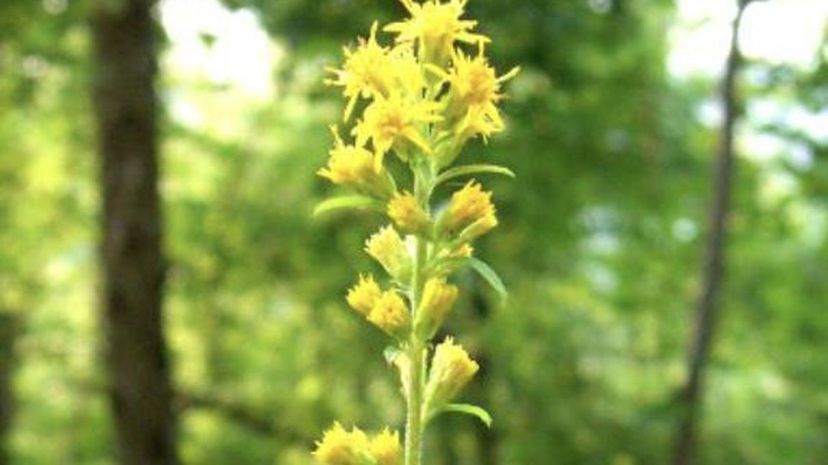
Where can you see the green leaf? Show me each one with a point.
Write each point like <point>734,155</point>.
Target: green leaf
<point>343,202</point>
<point>472,410</point>
<point>472,169</point>
<point>490,275</point>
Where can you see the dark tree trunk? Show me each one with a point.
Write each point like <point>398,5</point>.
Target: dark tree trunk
<point>707,308</point>
<point>8,336</point>
<point>133,264</point>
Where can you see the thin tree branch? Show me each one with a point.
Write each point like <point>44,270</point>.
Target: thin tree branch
<point>707,308</point>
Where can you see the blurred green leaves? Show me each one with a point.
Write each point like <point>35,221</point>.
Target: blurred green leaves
<point>599,244</point>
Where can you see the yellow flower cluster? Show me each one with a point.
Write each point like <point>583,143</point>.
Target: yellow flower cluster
<point>385,309</point>
<point>421,97</point>
<point>341,447</point>
<point>406,109</point>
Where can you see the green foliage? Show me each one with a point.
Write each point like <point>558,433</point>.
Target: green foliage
<point>600,249</point>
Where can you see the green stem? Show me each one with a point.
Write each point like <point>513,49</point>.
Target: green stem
<point>414,427</point>
<point>414,406</point>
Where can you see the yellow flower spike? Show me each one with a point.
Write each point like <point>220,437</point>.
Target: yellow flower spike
<point>341,447</point>
<point>471,208</point>
<point>451,370</point>
<point>388,248</point>
<point>386,448</point>
<point>423,99</point>
<point>353,166</point>
<point>435,27</point>
<point>390,313</point>
<point>395,122</point>
<point>438,298</point>
<point>364,295</point>
<point>407,213</point>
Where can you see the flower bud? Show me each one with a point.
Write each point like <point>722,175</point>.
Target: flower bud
<point>451,370</point>
<point>386,449</point>
<point>408,214</point>
<point>388,248</point>
<point>470,213</point>
<point>364,295</point>
<point>390,313</point>
<point>438,298</point>
<point>340,447</point>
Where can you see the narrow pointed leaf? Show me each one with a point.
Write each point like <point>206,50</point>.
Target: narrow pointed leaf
<point>358,202</point>
<point>472,169</point>
<point>472,410</point>
<point>490,276</point>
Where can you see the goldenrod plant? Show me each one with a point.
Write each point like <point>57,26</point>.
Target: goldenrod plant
<point>421,98</point>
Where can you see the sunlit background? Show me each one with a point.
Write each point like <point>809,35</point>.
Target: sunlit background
<point>612,128</point>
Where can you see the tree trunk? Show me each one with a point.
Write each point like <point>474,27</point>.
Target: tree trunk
<point>707,308</point>
<point>133,264</point>
<point>8,336</point>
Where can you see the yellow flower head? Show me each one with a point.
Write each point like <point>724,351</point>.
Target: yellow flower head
<point>470,212</point>
<point>473,80</point>
<point>367,71</point>
<point>353,166</point>
<point>341,447</point>
<point>390,313</point>
<point>364,295</point>
<point>388,248</point>
<point>394,122</point>
<point>386,449</point>
<point>438,298</point>
<point>373,70</point>
<point>451,370</point>
<point>435,26</point>
<point>408,214</point>
<point>475,92</point>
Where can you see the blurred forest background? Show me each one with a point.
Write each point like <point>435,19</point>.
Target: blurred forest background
<point>613,129</point>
